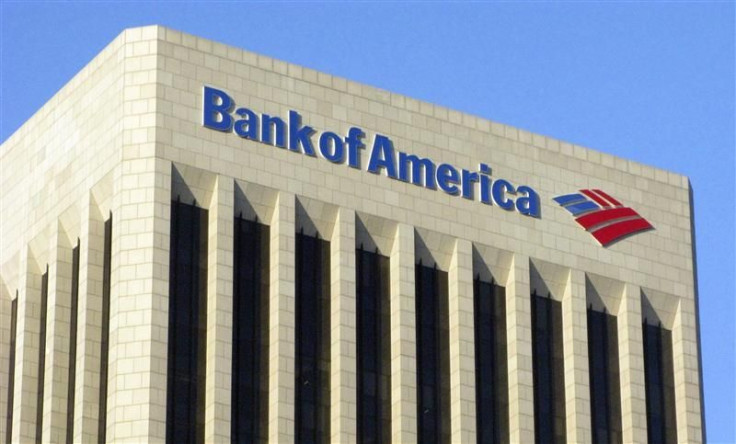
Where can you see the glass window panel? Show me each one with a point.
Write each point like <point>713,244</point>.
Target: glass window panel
<point>312,339</point>
<point>548,366</point>
<point>105,334</point>
<point>659,380</point>
<point>432,354</point>
<point>374,335</point>
<point>490,371</point>
<point>42,353</point>
<point>72,345</point>
<point>11,368</point>
<point>187,324</point>
<point>604,377</point>
<point>249,415</point>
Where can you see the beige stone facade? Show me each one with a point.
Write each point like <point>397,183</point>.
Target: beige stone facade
<point>125,136</point>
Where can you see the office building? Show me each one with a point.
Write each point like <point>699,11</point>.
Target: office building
<point>202,244</point>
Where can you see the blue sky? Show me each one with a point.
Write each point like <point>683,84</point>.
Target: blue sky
<point>649,81</point>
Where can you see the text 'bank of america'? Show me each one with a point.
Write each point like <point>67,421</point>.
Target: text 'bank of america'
<point>202,244</point>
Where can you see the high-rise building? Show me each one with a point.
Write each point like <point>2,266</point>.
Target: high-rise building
<point>202,244</point>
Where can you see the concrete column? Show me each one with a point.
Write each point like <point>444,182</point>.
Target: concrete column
<point>282,307</point>
<point>58,322</point>
<point>462,343</point>
<point>343,359</point>
<point>89,325</point>
<point>403,338</point>
<point>687,377</point>
<point>631,361</point>
<point>27,347</point>
<point>519,336</point>
<point>575,346</point>
<point>219,312</point>
<point>139,306</point>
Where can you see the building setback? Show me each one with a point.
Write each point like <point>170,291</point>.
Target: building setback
<point>202,244</point>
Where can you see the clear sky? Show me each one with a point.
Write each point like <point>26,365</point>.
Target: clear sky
<point>648,81</point>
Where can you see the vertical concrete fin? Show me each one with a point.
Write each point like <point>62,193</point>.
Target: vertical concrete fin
<point>687,373</point>
<point>58,322</point>
<point>403,338</point>
<point>27,348</point>
<point>462,340</point>
<point>219,311</point>
<point>631,361</point>
<point>521,373</point>
<point>89,323</point>
<point>343,361</point>
<point>282,321</point>
<point>575,345</point>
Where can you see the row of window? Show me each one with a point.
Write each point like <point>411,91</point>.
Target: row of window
<point>74,313</point>
<point>187,342</point>
<point>312,409</point>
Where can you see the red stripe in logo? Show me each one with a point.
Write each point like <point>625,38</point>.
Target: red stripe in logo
<point>589,221</point>
<point>611,233</point>
<point>609,198</point>
<point>596,198</point>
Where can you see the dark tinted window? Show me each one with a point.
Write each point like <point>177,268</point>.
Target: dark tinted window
<point>187,324</point>
<point>11,368</point>
<point>549,382</point>
<point>374,345</point>
<point>605,398</point>
<point>312,340</point>
<point>42,353</point>
<point>491,372</point>
<point>250,333</point>
<point>72,345</point>
<point>105,334</point>
<point>433,356</point>
<point>660,384</point>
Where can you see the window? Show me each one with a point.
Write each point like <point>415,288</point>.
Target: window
<point>605,398</point>
<point>374,348</point>
<point>105,334</point>
<point>11,368</point>
<point>312,340</point>
<point>660,384</point>
<point>42,353</point>
<point>491,372</point>
<point>433,357</point>
<point>250,333</point>
<point>187,324</point>
<point>548,359</point>
<point>72,345</point>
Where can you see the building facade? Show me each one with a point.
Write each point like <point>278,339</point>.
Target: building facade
<point>202,244</point>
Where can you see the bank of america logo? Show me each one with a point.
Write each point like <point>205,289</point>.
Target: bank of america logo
<point>607,219</point>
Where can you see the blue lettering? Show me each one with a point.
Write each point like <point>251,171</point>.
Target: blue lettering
<point>382,156</point>
<point>417,165</point>
<point>469,178</point>
<point>217,106</point>
<point>485,184</point>
<point>268,123</point>
<point>218,114</point>
<point>529,204</point>
<point>354,142</point>
<point>331,150</point>
<point>500,189</point>
<point>247,127</point>
<point>448,178</point>
<point>300,135</point>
